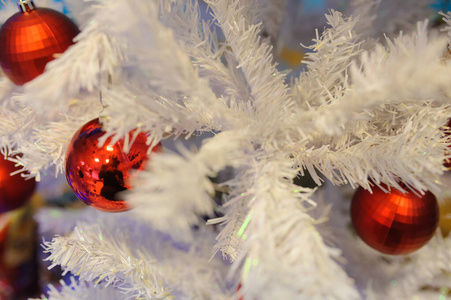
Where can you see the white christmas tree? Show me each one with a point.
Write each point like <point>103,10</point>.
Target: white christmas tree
<point>366,109</point>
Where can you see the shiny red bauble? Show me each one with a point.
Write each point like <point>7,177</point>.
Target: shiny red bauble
<point>15,191</point>
<point>395,222</point>
<point>30,39</point>
<point>97,175</point>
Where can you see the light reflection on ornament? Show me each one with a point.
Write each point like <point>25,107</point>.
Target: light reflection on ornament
<point>96,183</point>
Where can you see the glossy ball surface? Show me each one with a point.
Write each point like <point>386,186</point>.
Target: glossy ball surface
<point>30,39</point>
<point>15,191</point>
<point>96,174</point>
<point>394,223</point>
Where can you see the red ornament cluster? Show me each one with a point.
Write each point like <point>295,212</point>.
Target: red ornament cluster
<point>31,38</point>
<point>395,222</point>
<point>15,191</point>
<point>96,174</point>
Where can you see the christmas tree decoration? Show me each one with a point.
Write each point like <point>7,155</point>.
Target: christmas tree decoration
<point>31,38</point>
<point>15,191</point>
<point>444,203</point>
<point>291,57</point>
<point>394,222</point>
<point>216,76</point>
<point>445,216</point>
<point>96,174</point>
<point>18,251</point>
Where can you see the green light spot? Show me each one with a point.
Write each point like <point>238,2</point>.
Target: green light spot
<point>247,268</point>
<point>255,262</point>
<point>393,282</point>
<point>442,297</point>
<point>55,214</point>
<point>40,148</point>
<point>246,222</point>
<point>244,236</point>
<point>382,13</point>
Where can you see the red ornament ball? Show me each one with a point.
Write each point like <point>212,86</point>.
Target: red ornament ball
<point>30,39</point>
<point>15,191</point>
<point>96,174</point>
<point>395,222</point>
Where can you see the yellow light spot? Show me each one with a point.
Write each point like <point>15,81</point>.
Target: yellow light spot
<point>73,101</point>
<point>109,148</point>
<point>317,47</point>
<point>96,159</point>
